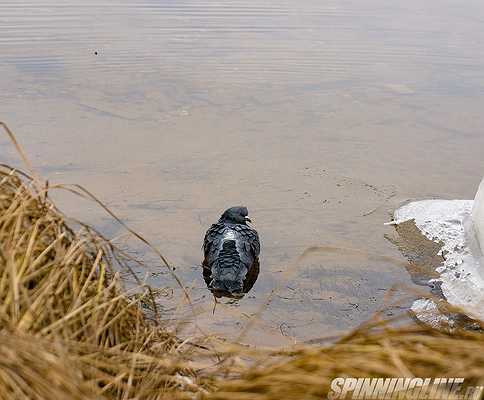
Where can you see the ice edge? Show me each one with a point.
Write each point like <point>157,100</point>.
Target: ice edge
<point>459,226</point>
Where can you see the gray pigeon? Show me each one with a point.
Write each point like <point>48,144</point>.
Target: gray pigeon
<point>231,248</point>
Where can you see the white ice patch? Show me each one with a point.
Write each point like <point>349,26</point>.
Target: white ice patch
<point>460,229</point>
<point>478,215</point>
<point>428,312</point>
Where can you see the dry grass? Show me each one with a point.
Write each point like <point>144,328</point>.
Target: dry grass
<point>68,330</point>
<point>59,295</point>
<point>414,351</point>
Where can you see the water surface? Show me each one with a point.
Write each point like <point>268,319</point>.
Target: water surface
<point>320,116</point>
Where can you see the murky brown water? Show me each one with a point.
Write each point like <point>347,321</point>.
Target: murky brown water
<point>320,116</point>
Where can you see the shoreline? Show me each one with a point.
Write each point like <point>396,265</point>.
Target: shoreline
<point>449,225</point>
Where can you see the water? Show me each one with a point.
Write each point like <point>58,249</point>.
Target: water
<point>320,116</point>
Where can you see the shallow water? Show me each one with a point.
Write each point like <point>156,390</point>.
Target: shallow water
<point>320,116</point>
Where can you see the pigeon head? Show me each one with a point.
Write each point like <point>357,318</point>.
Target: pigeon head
<point>236,215</point>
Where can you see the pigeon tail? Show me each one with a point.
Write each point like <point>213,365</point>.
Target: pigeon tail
<point>229,272</point>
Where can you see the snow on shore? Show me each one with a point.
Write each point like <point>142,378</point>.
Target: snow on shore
<point>459,226</point>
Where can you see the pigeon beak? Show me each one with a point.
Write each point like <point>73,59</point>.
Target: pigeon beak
<point>247,219</point>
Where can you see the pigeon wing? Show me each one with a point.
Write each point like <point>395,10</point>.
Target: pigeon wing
<point>248,244</point>
<point>212,244</point>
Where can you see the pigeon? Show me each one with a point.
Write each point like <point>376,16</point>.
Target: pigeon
<point>231,249</point>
